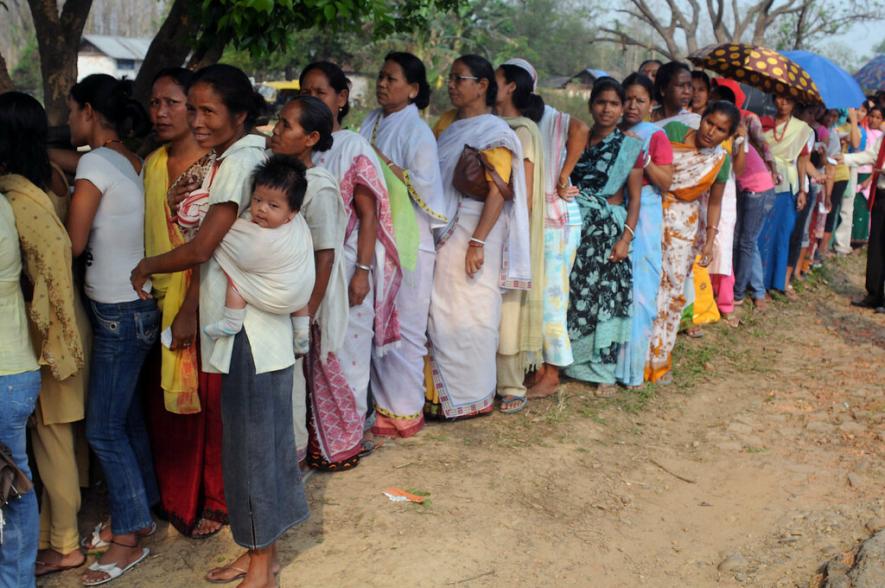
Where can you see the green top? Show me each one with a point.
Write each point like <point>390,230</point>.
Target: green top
<point>16,352</point>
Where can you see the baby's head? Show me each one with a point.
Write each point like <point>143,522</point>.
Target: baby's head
<point>278,187</point>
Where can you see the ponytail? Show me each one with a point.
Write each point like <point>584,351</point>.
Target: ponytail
<point>112,100</point>
<point>529,104</point>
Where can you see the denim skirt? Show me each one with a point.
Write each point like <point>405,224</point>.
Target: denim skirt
<point>262,482</point>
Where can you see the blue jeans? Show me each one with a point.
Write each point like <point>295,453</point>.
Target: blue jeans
<point>18,395</point>
<point>753,208</point>
<point>122,336</point>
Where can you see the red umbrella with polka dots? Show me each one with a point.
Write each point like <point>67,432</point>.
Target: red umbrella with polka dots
<point>760,68</point>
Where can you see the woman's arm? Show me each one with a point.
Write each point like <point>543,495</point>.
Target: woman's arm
<point>364,204</point>
<point>854,130</point>
<point>66,159</point>
<point>578,135</point>
<point>529,182</point>
<point>491,210</point>
<point>215,226</point>
<point>323,260</point>
<point>185,323</point>
<point>803,164</point>
<point>714,208</point>
<point>84,205</point>
<point>634,190</point>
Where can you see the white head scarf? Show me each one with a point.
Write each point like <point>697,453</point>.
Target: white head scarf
<point>523,64</point>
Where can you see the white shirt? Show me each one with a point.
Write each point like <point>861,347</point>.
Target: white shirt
<point>116,239</point>
<point>270,335</point>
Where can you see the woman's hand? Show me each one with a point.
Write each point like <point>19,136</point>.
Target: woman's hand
<point>138,277</point>
<point>180,192</point>
<point>564,190</point>
<point>620,251</point>
<point>474,260</point>
<point>801,200</point>
<point>359,287</point>
<point>707,250</point>
<point>742,131</point>
<point>184,328</point>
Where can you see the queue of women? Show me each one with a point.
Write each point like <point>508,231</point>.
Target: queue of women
<point>247,309</point>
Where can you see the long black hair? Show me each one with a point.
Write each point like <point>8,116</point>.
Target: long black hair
<point>726,108</point>
<point>112,100</point>
<point>23,135</point>
<point>642,80</point>
<point>314,115</point>
<point>665,75</point>
<point>415,73</point>
<point>481,68</point>
<point>336,78</point>
<point>235,90</point>
<point>529,104</point>
<point>604,84</point>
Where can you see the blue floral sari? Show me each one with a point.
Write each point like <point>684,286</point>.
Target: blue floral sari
<point>600,291</point>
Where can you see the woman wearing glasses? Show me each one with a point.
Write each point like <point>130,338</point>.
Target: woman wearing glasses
<point>484,248</point>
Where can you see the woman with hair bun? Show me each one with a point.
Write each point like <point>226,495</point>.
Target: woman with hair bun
<point>521,343</point>
<point>262,483</point>
<point>340,388</point>
<point>304,128</point>
<point>106,225</point>
<point>407,146</point>
<point>483,251</point>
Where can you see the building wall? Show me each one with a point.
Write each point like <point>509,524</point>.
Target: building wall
<point>93,63</point>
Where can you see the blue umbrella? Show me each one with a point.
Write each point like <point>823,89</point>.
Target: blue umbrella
<point>836,86</point>
<point>872,75</point>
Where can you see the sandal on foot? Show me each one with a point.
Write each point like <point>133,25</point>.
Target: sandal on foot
<point>521,401</point>
<point>113,570</point>
<point>49,568</point>
<point>241,573</point>
<point>95,545</point>
<point>202,536</point>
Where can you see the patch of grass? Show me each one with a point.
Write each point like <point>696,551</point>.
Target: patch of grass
<point>755,449</point>
<point>634,401</point>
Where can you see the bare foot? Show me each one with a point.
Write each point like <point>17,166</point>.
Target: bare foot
<point>546,385</point>
<point>605,391</point>
<point>50,561</point>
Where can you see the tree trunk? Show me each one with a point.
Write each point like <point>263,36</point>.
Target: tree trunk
<point>169,48</point>
<point>58,37</point>
<point>5,81</point>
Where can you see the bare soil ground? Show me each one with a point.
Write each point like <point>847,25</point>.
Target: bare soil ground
<point>762,461</point>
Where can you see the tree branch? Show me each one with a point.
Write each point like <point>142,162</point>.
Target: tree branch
<point>5,81</point>
<point>622,38</point>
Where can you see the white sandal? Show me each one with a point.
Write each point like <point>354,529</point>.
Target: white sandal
<point>95,545</point>
<point>113,570</point>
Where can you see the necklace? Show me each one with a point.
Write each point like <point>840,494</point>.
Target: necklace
<point>783,133</point>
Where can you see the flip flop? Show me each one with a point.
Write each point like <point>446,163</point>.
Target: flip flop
<point>49,568</point>
<point>523,401</point>
<point>241,573</point>
<point>202,536</point>
<point>98,546</point>
<point>113,570</point>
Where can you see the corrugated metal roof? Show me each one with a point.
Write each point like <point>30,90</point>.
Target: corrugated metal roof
<point>120,47</point>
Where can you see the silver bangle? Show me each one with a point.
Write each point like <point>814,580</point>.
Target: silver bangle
<point>477,241</point>
<point>632,233</point>
<point>367,268</point>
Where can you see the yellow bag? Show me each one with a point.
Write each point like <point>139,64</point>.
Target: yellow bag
<point>705,310</point>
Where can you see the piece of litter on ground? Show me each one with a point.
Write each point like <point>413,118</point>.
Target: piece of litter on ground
<point>400,495</point>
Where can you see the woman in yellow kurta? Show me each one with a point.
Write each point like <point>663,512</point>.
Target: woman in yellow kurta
<point>520,348</point>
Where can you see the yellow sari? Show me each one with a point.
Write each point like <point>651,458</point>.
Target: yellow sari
<point>180,368</point>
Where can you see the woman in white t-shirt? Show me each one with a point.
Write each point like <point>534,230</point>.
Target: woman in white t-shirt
<point>106,226</point>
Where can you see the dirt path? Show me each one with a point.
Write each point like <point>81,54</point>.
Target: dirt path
<point>752,469</point>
